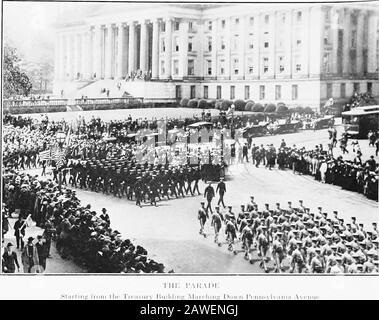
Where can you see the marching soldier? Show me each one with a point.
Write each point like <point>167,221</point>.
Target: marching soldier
<point>202,217</point>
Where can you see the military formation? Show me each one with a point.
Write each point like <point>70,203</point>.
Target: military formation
<point>294,239</point>
<point>142,183</point>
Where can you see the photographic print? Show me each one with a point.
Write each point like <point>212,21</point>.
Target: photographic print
<point>190,138</point>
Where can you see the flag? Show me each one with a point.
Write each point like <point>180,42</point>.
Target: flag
<point>44,155</point>
<point>59,156</point>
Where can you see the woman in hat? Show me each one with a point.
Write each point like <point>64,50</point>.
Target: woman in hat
<point>29,256</point>
<point>10,260</point>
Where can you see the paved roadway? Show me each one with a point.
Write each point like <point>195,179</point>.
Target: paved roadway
<point>170,231</point>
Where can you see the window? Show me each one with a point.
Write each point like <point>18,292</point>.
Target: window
<point>232,92</point>
<point>222,66</point>
<point>247,92</point>
<point>210,25</point>
<point>235,65</point>
<point>176,26</point>
<point>209,67</point>
<point>178,91</point>
<point>163,26</point>
<point>281,64</point>
<point>267,19</point>
<point>176,67</point>
<point>205,92</point>
<point>329,90</point>
<point>278,92</point>
<point>190,44</point>
<point>190,26</point>
<point>261,92</point>
<point>237,21</point>
<point>283,18</point>
<point>327,15</point>
<point>265,65</point>
<point>209,44</point>
<point>298,42</point>
<point>299,16</point>
<point>223,24</point>
<point>163,46</point>
<point>193,92</point>
<point>235,42</point>
<point>298,67</point>
<point>250,66</point>
<point>218,93</point>
<point>250,41</point>
<point>191,67</point>
<point>265,41</point>
<point>294,92</point>
<point>176,44</point>
<point>222,43</point>
<point>163,71</point>
<point>369,87</point>
<point>343,90</point>
<point>251,21</point>
<point>356,86</point>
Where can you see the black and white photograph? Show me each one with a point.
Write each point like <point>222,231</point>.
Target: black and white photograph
<point>190,138</point>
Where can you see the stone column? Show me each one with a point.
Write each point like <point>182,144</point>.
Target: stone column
<point>68,74</point>
<point>306,19</point>
<point>372,43</point>
<point>346,44</point>
<point>96,51</point>
<point>143,47</point>
<point>77,57</point>
<point>242,47</point>
<point>360,39</point>
<point>183,62</point>
<point>168,39</point>
<point>334,30</point>
<point>214,47</point>
<point>288,44</point>
<point>120,50</point>
<point>86,57</point>
<point>108,51</point>
<point>257,45</point>
<point>228,46</point>
<point>155,50</point>
<point>57,61</point>
<point>132,47</point>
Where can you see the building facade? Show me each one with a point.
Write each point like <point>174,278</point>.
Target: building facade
<point>300,54</point>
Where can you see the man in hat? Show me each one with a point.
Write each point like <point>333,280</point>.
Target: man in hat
<point>202,216</point>
<point>209,194</point>
<point>29,256</point>
<point>10,260</point>
<point>217,219</point>
<point>41,251</point>
<point>221,189</point>
<point>19,231</point>
<point>104,215</point>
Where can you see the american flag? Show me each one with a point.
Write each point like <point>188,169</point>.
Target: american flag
<point>44,155</point>
<point>59,156</point>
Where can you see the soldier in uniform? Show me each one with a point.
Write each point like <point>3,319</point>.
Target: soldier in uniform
<point>221,189</point>
<point>202,216</point>
<point>209,194</point>
<point>217,220</point>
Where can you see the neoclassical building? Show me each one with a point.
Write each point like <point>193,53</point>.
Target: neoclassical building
<point>301,54</point>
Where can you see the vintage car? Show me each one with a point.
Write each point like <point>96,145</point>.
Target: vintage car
<point>323,123</point>
<point>284,127</point>
<point>255,130</point>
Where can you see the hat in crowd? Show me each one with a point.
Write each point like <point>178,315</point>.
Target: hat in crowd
<point>39,237</point>
<point>9,245</point>
<point>30,239</point>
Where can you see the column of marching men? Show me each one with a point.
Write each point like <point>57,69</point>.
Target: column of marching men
<point>294,239</point>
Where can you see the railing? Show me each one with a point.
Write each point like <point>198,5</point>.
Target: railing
<point>34,103</point>
<point>89,101</point>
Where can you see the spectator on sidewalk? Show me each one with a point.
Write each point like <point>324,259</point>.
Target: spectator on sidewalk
<point>10,260</point>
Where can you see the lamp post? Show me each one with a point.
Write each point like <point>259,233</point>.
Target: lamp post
<point>232,108</point>
<point>61,137</point>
